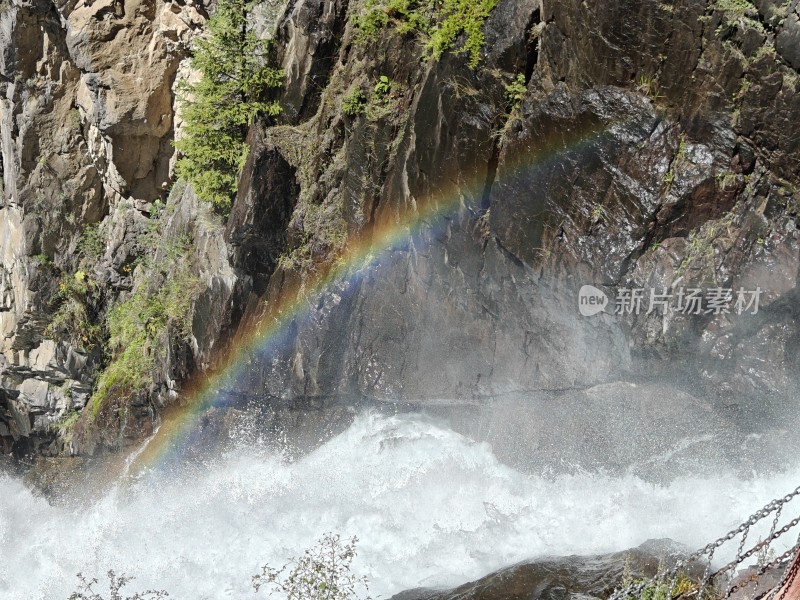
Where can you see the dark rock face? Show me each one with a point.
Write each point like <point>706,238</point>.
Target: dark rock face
<point>651,151</point>
<point>787,43</point>
<point>309,37</point>
<point>558,578</point>
<point>590,181</point>
<point>655,148</point>
<point>257,227</point>
<point>568,158</point>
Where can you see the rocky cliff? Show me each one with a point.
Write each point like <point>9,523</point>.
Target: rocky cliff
<point>631,145</point>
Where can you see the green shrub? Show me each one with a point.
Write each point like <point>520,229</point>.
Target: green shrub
<point>681,585</point>
<point>219,108</point>
<point>382,103</point>
<point>75,318</point>
<point>461,16</point>
<point>77,304</point>
<point>322,573</point>
<point>739,12</point>
<point>42,260</point>
<point>382,88</point>
<point>91,244</point>
<point>441,22</point>
<point>354,103</point>
<point>515,91</point>
<point>372,22</point>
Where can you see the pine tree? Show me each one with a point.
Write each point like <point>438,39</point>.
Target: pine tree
<point>219,108</point>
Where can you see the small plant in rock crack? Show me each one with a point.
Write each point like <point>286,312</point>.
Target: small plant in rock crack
<point>515,92</point>
<point>116,582</point>
<point>382,88</point>
<point>648,86</point>
<point>354,103</point>
<point>322,573</point>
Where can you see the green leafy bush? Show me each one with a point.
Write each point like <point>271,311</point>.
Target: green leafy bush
<point>382,88</point>
<point>739,12</point>
<point>515,91</point>
<point>372,22</point>
<point>461,16</point>
<point>322,573</point>
<point>441,22</point>
<point>76,316</point>
<point>91,244</point>
<point>219,108</point>
<point>681,586</point>
<point>354,103</point>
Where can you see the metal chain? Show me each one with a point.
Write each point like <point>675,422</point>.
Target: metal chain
<point>776,506</point>
<point>789,574</point>
<point>790,553</point>
<point>738,553</point>
<point>763,568</point>
<point>788,579</point>
<point>754,518</point>
<point>706,576</point>
<point>740,559</point>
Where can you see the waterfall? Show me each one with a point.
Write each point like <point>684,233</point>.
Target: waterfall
<point>430,507</point>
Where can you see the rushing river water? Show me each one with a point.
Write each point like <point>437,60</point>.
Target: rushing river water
<point>429,506</point>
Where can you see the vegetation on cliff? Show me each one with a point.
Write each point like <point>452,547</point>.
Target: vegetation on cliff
<point>439,22</point>
<point>77,305</point>
<point>232,91</point>
<point>158,310</point>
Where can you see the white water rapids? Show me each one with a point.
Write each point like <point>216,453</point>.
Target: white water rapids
<point>429,506</point>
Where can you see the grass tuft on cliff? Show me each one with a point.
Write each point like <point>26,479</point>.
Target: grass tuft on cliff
<point>236,77</point>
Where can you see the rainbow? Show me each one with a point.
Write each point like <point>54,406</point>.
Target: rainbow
<point>391,231</point>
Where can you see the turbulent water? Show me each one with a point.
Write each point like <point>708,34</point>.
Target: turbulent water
<point>429,506</point>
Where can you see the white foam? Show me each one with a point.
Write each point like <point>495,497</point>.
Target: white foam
<point>429,506</point>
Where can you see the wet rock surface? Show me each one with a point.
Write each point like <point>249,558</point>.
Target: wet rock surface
<point>654,148</point>
<point>571,577</point>
<point>631,163</point>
